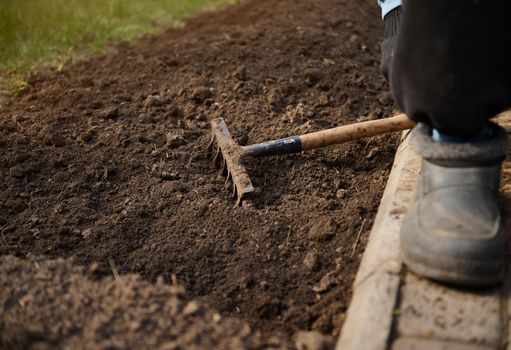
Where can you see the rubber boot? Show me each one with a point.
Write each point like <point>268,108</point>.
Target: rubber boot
<point>453,232</point>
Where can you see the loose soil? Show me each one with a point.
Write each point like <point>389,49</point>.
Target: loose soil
<point>104,163</point>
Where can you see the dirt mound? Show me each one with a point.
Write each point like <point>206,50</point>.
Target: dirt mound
<point>51,304</point>
<point>105,160</point>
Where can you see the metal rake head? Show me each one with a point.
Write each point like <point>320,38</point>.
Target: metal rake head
<point>229,154</point>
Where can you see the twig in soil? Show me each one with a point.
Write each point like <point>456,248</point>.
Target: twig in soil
<point>353,64</point>
<point>114,270</point>
<point>7,244</point>
<point>367,144</point>
<point>355,246</point>
<point>105,174</point>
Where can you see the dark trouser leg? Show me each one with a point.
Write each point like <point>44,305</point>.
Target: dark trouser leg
<point>452,64</point>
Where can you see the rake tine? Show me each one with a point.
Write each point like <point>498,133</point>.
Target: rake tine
<point>224,167</point>
<point>211,143</point>
<point>238,202</point>
<point>215,158</point>
<point>227,179</point>
<point>234,191</point>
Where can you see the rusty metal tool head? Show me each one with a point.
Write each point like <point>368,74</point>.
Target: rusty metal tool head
<point>229,153</point>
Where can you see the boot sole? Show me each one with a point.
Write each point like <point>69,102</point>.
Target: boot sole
<point>455,278</point>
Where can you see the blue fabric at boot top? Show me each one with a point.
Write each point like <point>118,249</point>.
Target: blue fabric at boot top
<point>485,134</point>
<point>388,5</point>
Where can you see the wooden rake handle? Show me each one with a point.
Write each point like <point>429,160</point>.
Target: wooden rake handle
<point>356,131</point>
<point>334,136</point>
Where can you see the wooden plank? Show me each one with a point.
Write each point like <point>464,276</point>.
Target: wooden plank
<point>370,315</point>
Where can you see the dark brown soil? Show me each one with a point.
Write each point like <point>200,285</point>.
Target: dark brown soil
<point>51,304</point>
<point>104,161</point>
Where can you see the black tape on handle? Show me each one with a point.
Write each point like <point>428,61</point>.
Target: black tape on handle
<point>288,145</point>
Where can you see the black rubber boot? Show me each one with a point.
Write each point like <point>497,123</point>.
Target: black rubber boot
<point>453,232</point>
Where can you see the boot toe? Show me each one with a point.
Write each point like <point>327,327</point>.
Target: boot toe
<point>456,236</point>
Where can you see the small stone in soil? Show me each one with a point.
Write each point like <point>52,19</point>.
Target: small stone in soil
<point>110,113</point>
<point>201,94</point>
<point>174,140</point>
<point>54,139</point>
<point>372,152</point>
<point>326,282</point>
<point>86,233</point>
<point>201,117</point>
<point>169,176</point>
<point>241,74</point>
<point>146,118</point>
<point>341,193</point>
<point>311,261</point>
<point>191,308</point>
<point>152,101</point>
<point>313,341</point>
<point>323,229</point>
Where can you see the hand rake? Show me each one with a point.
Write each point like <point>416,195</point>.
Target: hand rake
<point>231,154</point>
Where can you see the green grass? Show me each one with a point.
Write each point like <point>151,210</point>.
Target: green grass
<point>33,32</point>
